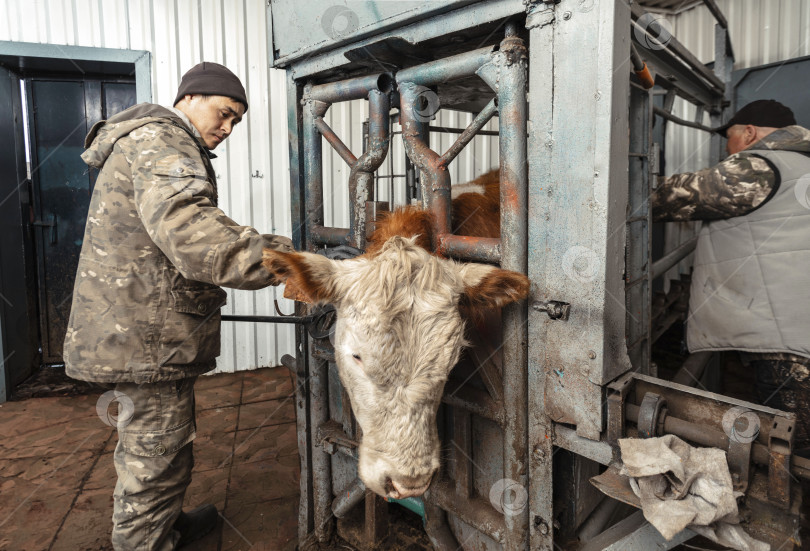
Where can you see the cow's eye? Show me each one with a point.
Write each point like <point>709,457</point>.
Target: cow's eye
<point>356,357</point>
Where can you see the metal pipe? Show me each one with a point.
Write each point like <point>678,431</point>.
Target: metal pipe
<point>473,400</point>
<point>361,187</point>
<point>448,130</point>
<point>340,147</point>
<point>346,500</point>
<point>692,369</point>
<point>674,46</point>
<point>266,319</point>
<point>353,88</point>
<point>677,254</point>
<point>598,519</point>
<point>677,120</point>
<point>448,68</point>
<point>475,249</point>
<point>313,166</point>
<point>435,178</point>
<point>437,529</point>
<point>470,132</point>
<point>476,511</point>
<point>506,74</point>
<point>707,436</point>
<point>321,462</point>
<point>325,235</point>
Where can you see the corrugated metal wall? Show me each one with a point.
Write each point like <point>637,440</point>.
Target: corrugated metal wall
<point>761,32</point>
<point>252,166</point>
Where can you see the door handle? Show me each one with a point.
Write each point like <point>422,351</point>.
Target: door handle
<point>51,224</point>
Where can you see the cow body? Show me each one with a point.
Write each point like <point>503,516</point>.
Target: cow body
<point>400,330</point>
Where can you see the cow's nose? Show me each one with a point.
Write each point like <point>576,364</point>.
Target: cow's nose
<point>409,486</point>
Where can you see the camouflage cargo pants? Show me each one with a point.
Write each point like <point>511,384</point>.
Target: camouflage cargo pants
<point>153,460</point>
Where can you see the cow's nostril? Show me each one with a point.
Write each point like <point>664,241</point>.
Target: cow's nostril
<point>389,485</point>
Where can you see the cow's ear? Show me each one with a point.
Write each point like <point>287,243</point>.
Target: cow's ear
<point>490,287</point>
<point>311,275</point>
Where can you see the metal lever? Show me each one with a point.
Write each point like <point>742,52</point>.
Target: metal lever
<point>555,309</point>
<point>51,224</point>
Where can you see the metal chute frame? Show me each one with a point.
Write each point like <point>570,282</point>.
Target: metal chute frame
<point>578,374</point>
<point>505,71</point>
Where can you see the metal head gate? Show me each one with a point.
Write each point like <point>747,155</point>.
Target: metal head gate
<point>576,372</point>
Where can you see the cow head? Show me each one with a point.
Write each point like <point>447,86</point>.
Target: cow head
<point>398,334</point>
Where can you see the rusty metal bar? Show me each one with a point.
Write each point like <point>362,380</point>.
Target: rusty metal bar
<point>361,185</point>
<point>462,436</point>
<point>675,47</point>
<point>321,463</point>
<point>349,498</point>
<point>506,74</point>
<point>313,167</point>
<point>707,436</point>
<point>448,68</point>
<point>677,254</point>
<point>436,179</point>
<point>448,130</point>
<point>476,511</point>
<point>437,529</point>
<point>353,88</point>
<point>476,249</point>
<point>324,235</point>
<point>469,133</point>
<point>677,120</point>
<point>473,400</point>
<point>376,520</point>
<point>341,148</point>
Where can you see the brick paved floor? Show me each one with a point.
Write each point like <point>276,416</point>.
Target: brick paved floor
<point>57,474</point>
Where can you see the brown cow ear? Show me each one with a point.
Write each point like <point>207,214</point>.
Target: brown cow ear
<point>312,276</point>
<point>490,287</point>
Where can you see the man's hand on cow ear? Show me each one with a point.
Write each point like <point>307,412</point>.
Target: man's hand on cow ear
<point>490,287</point>
<point>311,274</point>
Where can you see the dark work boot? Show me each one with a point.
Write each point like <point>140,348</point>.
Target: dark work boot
<point>195,524</point>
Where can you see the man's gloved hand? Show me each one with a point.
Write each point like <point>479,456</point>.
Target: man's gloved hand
<point>341,252</point>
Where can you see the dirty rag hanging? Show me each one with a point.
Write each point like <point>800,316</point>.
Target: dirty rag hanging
<point>685,487</point>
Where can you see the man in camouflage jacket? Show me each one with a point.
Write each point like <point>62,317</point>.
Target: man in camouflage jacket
<point>146,302</point>
<point>751,281</point>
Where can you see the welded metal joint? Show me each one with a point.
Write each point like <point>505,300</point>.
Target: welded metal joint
<point>556,310</point>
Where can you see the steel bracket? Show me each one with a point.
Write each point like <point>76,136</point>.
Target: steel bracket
<point>780,447</point>
<point>651,415</point>
<point>616,394</point>
<point>739,462</point>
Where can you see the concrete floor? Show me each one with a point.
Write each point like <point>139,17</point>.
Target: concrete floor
<point>57,474</point>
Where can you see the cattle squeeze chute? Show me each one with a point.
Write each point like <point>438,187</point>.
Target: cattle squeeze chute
<point>497,452</point>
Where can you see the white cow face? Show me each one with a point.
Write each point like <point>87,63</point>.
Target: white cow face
<point>399,332</point>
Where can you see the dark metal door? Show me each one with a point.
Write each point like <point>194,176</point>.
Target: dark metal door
<point>61,113</point>
<point>785,81</point>
<point>17,322</point>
